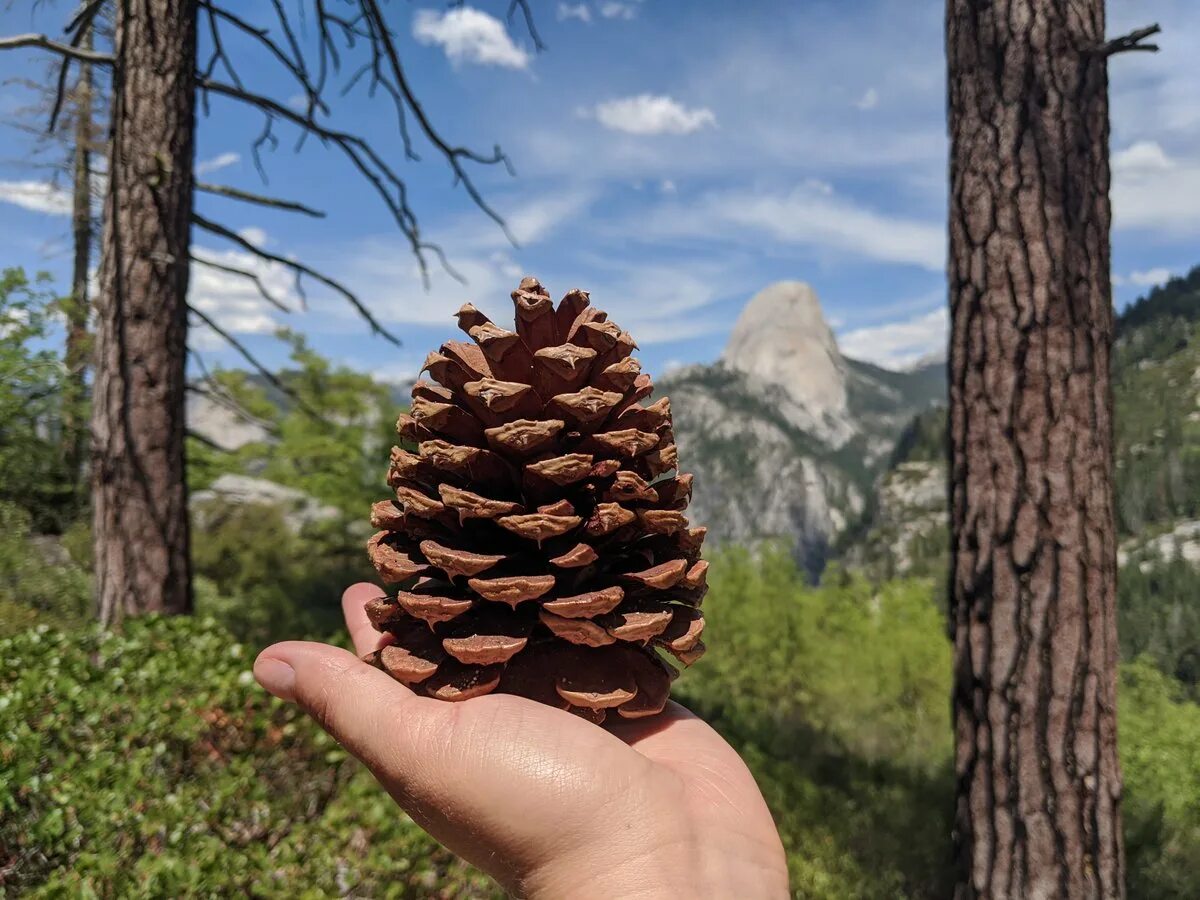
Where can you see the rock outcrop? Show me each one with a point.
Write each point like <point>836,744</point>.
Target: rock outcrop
<point>785,436</point>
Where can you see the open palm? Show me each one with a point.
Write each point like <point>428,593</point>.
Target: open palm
<point>546,802</point>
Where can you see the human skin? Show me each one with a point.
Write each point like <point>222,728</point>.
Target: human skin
<point>550,805</point>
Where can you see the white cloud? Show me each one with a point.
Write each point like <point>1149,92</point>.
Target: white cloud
<point>898,345</point>
<point>812,215</point>
<point>1140,157</point>
<point>1148,278</point>
<point>253,235</point>
<point>537,219</point>
<point>667,186</point>
<point>232,300</point>
<point>469,35</point>
<point>218,162</point>
<point>612,9</point>
<point>1153,191</point>
<point>868,100</point>
<point>38,196</point>
<point>578,11</point>
<point>651,114</point>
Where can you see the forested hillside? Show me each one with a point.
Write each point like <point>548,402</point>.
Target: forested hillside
<point>1156,377</point>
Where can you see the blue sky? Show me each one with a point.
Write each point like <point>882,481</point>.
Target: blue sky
<point>672,158</point>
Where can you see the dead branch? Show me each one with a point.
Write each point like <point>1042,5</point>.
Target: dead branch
<point>455,155</point>
<point>530,26</point>
<point>249,357</point>
<point>301,269</point>
<point>1132,42</point>
<point>244,273</point>
<point>364,158</point>
<point>225,190</point>
<point>217,393</point>
<point>70,51</point>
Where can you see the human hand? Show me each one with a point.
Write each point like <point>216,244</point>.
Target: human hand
<point>547,803</point>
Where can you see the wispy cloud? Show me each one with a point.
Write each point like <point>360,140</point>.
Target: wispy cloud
<point>648,114</point>
<point>812,215</point>
<point>38,196</point>
<point>898,345</point>
<point>469,35</point>
<point>578,11</point>
<point>234,301</point>
<point>218,162</point>
<point>1148,278</point>
<point>612,9</point>
<point>1153,191</point>
<point>868,101</point>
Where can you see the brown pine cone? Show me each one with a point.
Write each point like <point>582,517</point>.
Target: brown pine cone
<point>537,534</point>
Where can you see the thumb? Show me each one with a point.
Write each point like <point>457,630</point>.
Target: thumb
<point>350,699</point>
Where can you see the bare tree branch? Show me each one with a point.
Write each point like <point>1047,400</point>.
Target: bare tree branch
<point>300,268</point>
<point>218,51</point>
<point>1131,42</point>
<point>244,273</point>
<point>454,155</point>
<point>523,5</point>
<point>68,50</point>
<point>219,394</point>
<point>364,157</point>
<point>262,36</point>
<point>225,190</point>
<point>249,357</point>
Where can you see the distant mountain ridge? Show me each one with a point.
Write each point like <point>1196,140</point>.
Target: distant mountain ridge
<point>786,436</point>
<point>1156,399</point>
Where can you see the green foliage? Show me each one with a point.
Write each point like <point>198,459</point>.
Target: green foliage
<point>838,699</point>
<point>1176,301</point>
<point>270,581</point>
<point>1157,396</point>
<point>38,579</point>
<point>1160,733</point>
<point>1159,618</point>
<point>149,764</point>
<point>32,377</point>
<point>331,433</point>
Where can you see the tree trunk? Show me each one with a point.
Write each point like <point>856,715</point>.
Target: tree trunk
<point>139,492</point>
<point>74,435</point>
<point>1034,561</point>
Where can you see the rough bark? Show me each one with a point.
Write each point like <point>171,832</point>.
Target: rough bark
<point>1034,562</point>
<point>139,492</point>
<point>74,426</point>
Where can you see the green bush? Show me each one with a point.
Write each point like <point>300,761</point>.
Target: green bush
<point>838,698</point>
<point>149,764</point>
<point>268,582</point>
<point>38,579</point>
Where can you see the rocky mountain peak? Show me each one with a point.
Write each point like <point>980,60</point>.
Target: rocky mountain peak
<point>782,340</point>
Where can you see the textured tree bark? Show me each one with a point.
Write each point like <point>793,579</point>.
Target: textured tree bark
<point>139,493</point>
<point>1033,559</point>
<point>74,437</point>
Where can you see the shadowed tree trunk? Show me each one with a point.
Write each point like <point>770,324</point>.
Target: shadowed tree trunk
<point>77,349</point>
<point>1034,559</point>
<point>139,492</point>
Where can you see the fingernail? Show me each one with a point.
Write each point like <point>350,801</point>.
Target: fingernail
<point>276,676</point>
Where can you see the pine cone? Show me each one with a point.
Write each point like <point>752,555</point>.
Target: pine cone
<point>539,547</point>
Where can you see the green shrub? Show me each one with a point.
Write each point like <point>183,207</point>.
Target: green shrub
<point>838,698</point>
<point>267,582</point>
<point>149,764</point>
<point>38,579</point>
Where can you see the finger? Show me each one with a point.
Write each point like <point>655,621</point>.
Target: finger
<point>354,602</point>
